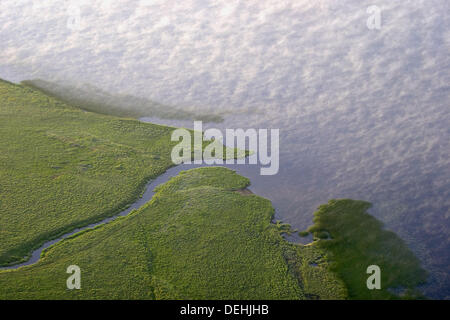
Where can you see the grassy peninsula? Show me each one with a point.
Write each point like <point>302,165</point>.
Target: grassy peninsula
<point>62,167</point>
<point>197,239</point>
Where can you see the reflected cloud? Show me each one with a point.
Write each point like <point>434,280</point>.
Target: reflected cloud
<point>363,113</point>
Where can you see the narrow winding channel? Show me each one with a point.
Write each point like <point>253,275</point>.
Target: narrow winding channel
<point>146,197</point>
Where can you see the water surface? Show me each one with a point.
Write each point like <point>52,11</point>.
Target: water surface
<point>363,114</point>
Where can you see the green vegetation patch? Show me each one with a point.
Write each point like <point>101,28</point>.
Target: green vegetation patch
<point>62,167</point>
<point>196,239</point>
<point>353,240</point>
<point>303,234</point>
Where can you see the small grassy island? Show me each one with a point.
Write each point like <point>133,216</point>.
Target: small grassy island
<point>202,236</point>
<point>354,240</point>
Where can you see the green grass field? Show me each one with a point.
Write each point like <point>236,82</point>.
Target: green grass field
<point>61,167</point>
<point>198,238</point>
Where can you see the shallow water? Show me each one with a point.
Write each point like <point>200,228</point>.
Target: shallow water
<point>363,113</point>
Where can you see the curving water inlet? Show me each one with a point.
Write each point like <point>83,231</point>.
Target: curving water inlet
<point>146,197</point>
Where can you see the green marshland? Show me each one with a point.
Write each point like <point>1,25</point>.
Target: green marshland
<point>198,238</point>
